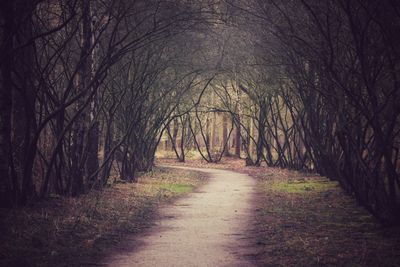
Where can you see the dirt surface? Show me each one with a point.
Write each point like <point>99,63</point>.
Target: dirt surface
<point>207,228</point>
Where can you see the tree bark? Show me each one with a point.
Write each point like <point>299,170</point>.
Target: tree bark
<point>79,129</point>
<point>237,138</point>
<point>7,196</point>
<point>92,163</point>
<point>225,135</point>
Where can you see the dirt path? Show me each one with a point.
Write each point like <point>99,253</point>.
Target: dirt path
<point>206,228</point>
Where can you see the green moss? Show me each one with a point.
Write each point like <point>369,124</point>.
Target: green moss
<point>177,188</point>
<point>304,186</point>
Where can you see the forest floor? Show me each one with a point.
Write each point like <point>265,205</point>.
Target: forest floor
<point>303,219</point>
<point>293,219</point>
<point>81,231</point>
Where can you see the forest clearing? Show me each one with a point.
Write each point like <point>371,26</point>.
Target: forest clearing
<point>289,110</point>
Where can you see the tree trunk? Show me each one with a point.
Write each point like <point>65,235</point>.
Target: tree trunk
<point>174,134</point>
<point>237,138</point>
<point>92,163</point>
<point>261,132</point>
<point>79,129</point>
<point>7,196</point>
<point>225,134</point>
<point>24,121</point>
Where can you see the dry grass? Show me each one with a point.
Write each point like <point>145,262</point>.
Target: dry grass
<point>306,220</point>
<point>78,231</point>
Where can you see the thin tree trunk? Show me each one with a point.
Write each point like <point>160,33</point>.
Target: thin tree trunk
<point>225,135</point>
<point>79,129</point>
<point>237,138</point>
<point>92,163</point>
<point>7,190</point>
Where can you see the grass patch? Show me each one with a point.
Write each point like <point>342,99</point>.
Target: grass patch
<point>307,220</point>
<point>303,186</point>
<point>177,188</point>
<point>79,231</point>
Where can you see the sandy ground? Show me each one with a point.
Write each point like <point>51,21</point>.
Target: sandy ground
<point>209,227</point>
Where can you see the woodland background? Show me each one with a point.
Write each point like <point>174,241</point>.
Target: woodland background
<point>90,89</point>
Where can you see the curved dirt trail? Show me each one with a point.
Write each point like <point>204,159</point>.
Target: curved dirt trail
<point>205,228</point>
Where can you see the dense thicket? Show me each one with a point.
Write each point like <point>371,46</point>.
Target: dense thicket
<point>325,87</point>
<point>314,86</point>
<point>87,86</point>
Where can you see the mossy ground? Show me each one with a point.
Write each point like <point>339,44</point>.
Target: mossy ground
<point>177,188</point>
<point>79,231</point>
<point>303,186</point>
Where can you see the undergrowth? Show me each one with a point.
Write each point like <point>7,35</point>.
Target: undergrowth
<point>78,231</point>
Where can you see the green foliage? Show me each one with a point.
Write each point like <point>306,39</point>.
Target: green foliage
<point>177,188</point>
